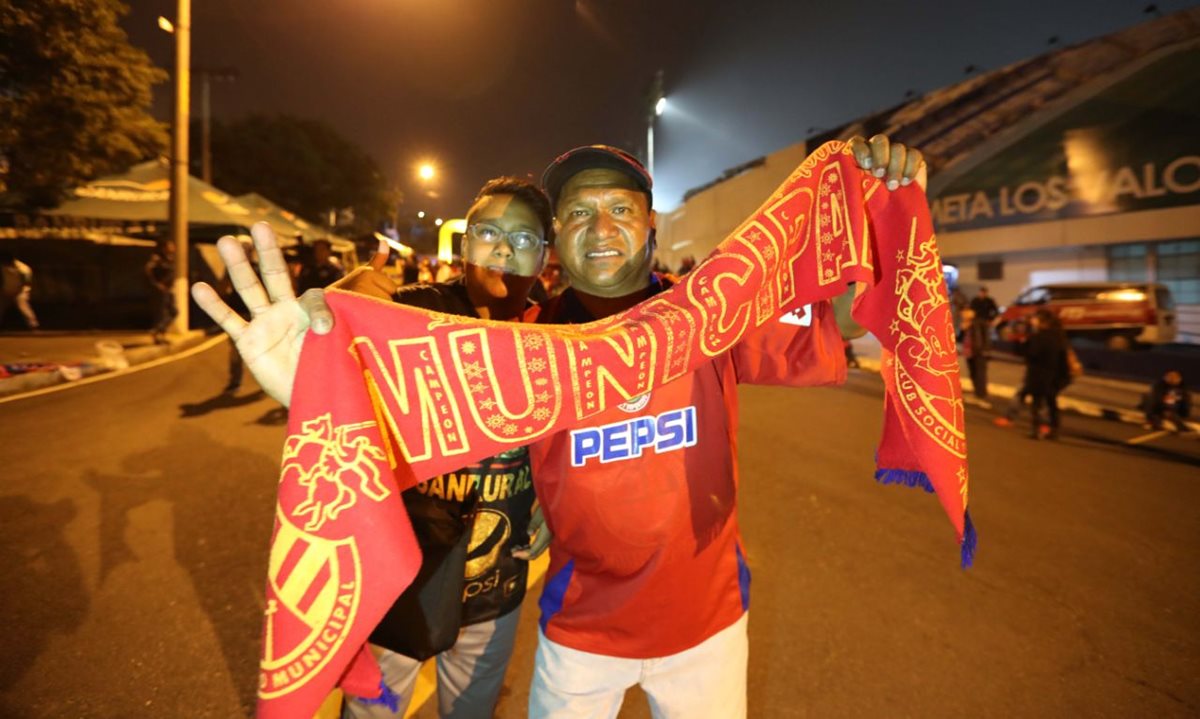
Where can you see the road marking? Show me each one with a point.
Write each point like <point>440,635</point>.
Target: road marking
<point>1147,437</point>
<point>207,344</point>
<point>426,685</point>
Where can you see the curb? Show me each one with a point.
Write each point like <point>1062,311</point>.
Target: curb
<point>96,365</point>
<point>1065,403</point>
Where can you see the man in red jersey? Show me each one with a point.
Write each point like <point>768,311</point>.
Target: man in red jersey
<point>648,582</point>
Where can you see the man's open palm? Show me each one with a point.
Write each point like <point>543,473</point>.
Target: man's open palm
<point>270,342</point>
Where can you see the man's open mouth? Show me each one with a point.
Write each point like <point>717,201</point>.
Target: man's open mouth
<point>600,254</point>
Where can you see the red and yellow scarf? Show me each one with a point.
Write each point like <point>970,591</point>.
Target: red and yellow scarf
<point>394,395</point>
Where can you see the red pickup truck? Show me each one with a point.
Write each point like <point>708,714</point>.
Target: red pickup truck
<point>1120,314</point>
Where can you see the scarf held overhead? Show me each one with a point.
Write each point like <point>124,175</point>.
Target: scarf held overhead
<point>395,395</point>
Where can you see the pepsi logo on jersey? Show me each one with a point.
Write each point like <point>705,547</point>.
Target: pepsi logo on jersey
<point>671,430</point>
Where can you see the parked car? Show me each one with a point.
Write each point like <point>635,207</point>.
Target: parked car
<point>1119,314</point>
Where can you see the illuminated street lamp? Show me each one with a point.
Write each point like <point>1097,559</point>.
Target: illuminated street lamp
<point>421,215</point>
<point>656,104</point>
<point>426,172</point>
<point>438,222</point>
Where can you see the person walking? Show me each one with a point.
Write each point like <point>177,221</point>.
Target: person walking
<point>17,289</point>
<point>160,270</point>
<point>977,345</point>
<point>984,306</point>
<point>1047,371</point>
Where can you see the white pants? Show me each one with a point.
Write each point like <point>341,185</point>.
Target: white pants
<point>470,674</point>
<point>708,680</point>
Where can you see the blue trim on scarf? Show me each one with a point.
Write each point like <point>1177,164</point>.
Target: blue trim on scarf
<point>743,576</point>
<point>553,593</point>
<point>914,478</point>
<point>969,540</point>
<point>386,697</point>
<point>907,477</point>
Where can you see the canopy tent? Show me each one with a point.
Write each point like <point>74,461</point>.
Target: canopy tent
<point>141,194</point>
<point>288,224</point>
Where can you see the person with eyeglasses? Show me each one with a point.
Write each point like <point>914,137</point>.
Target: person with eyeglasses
<point>503,250</point>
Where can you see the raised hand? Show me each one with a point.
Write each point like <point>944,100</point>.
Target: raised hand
<point>897,164</point>
<point>270,342</point>
<point>370,279</point>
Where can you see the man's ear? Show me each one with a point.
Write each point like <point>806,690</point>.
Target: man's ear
<point>653,240</point>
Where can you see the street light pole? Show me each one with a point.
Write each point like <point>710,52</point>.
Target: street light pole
<point>207,75</point>
<point>179,162</point>
<point>205,134</point>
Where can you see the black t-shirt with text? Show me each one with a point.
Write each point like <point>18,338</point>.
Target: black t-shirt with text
<point>494,580</point>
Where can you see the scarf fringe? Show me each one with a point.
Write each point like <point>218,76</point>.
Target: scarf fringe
<point>915,478</point>
<point>907,477</point>
<point>968,542</point>
<point>386,697</point>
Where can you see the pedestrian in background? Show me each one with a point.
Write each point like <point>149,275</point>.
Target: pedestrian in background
<point>1168,401</point>
<point>18,286</point>
<point>958,304</point>
<point>977,344</point>
<point>409,271</point>
<point>1047,371</point>
<point>984,306</point>
<point>160,270</point>
<point>320,271</point>
<point>229,293</point>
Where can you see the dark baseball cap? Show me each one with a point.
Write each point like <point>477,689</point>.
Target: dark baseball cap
<point>595,157</point>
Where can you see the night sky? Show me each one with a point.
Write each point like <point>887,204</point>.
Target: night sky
<point>489,87</point>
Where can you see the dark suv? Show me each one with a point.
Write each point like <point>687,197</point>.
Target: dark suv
<point>1120,314</point>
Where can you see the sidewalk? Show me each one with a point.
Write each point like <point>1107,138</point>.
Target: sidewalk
<point>33,360</point>
<point>1090,396</point>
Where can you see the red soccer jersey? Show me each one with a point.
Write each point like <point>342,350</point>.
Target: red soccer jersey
<point>646,559</point>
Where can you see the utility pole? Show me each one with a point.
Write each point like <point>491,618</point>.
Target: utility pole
<point>179,162</point>
<point>208,75</point>
<point>205,132</point>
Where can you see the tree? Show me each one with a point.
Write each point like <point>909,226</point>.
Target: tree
<point>74,98</point>
<point>303,165</point>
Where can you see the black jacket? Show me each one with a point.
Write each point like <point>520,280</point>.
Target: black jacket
<point>1046,368</point>
<point>496,513</point>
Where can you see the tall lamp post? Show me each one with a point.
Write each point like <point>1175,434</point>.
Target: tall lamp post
<point>178,203</point>
<point>207,76</point>
<point>655,105</point>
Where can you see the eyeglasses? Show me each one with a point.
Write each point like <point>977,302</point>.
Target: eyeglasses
<point>521,240</point>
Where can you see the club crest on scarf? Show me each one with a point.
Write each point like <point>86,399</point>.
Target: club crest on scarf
<point>315,575</point>
<point>927,384</point>
<point>331,463</point>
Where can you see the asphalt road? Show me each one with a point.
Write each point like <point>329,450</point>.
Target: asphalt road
<point>136,513</point>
